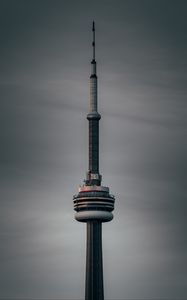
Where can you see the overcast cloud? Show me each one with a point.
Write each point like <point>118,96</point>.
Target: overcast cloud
<point>45,53</point>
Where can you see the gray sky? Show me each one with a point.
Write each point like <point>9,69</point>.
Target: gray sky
<point>45,53</point>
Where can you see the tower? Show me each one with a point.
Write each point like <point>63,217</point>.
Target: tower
<point>93,204</point>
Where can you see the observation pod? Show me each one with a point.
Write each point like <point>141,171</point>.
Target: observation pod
<point>93,203</point>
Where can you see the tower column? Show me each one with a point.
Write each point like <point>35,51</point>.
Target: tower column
<point>94,263</point>
<point>93,204</point>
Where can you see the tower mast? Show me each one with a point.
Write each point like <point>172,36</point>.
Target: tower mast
<point>93,204</point>
<point>93,176</point>
<point>93,42</point>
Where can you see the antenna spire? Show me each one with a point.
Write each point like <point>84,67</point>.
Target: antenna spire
<point>93,42</point>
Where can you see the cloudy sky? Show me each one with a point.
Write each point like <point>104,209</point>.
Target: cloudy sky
<point>45,53</point>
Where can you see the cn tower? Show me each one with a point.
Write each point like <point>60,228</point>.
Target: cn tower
<point>93,203</point>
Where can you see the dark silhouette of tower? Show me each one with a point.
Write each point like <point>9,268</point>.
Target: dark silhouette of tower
<point>93,204</point>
